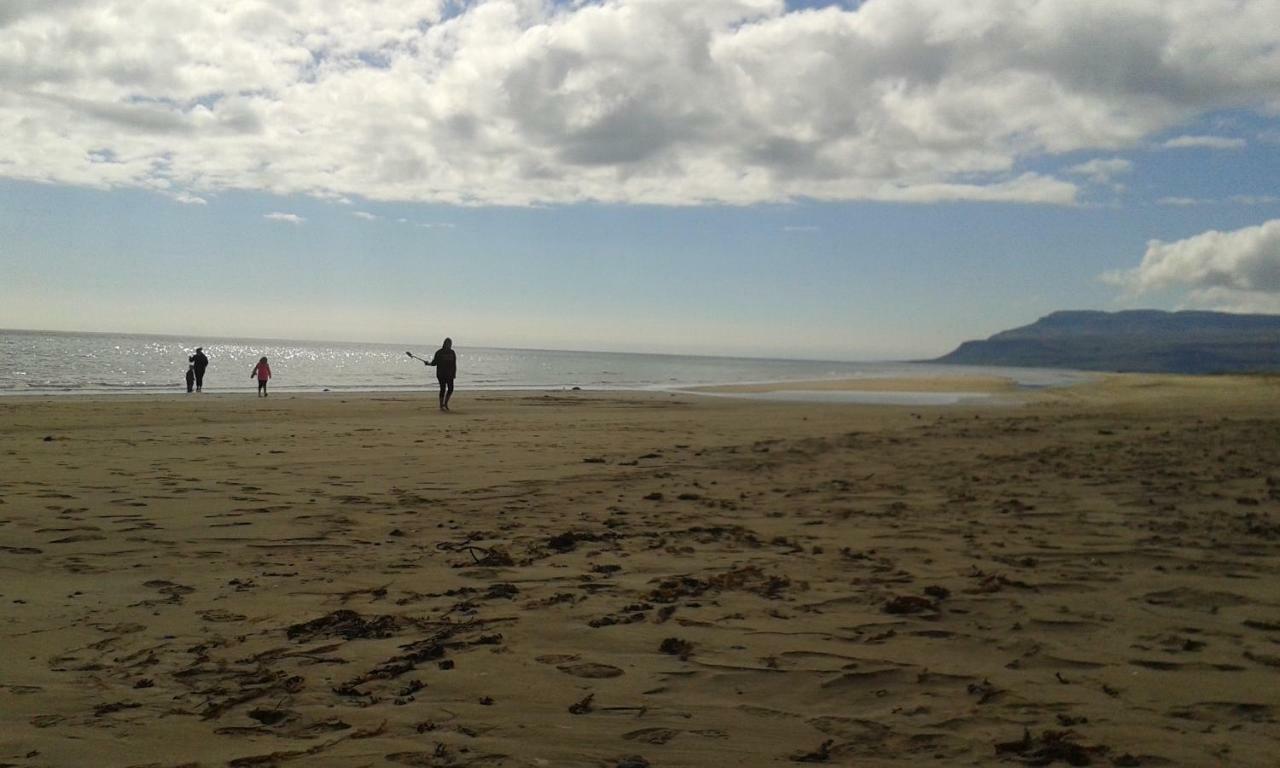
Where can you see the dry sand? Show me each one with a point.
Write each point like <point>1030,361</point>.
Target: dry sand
<point>572,579</point>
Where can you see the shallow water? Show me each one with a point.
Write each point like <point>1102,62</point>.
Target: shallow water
<point>37,362</point>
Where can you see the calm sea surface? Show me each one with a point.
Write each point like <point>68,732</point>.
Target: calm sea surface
<point>38,362</point>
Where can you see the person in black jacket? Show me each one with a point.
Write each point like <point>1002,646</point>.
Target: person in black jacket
<point>199,362</point>
<point>445,361</point>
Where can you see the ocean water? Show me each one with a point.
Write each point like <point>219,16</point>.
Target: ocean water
<point>40,362</point>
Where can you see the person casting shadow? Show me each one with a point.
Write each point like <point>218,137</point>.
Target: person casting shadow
<point>445,361</point>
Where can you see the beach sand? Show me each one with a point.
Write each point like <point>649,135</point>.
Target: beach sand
<point>600,579</point>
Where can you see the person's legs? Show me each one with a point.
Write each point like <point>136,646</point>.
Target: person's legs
<point>448,394</point>
<point>262,387</point>
<point>199,380</point>
<point>442,383</point>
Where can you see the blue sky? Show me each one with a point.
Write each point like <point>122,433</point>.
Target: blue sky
<point>857,182</point>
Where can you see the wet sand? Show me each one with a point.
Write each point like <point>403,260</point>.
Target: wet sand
<point>978,384</point>
<point>590,579</point>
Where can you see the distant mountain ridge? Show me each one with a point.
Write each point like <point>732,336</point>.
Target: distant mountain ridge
<point>1147,340</point>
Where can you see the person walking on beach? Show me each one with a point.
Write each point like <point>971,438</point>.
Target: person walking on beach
<point>445,361</point>
<point>199,363</point>
<point>263,372</point>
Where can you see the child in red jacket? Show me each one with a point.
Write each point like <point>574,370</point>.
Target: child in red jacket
<point>263,372</point>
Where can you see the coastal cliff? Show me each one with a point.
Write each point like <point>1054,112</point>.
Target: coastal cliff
<point>1149,341</point>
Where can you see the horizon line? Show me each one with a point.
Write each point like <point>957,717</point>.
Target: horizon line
<point>274,339</point>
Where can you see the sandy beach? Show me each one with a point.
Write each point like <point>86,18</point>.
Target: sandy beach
<point>616,579</point>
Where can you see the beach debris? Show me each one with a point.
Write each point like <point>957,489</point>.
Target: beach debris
<point>674,646</point>
<point>985,691</point>
<point>117,706</point>
<point>909,604</point>
<point>820,755</point>
<point>612,619</point>
<point>994,582</point>
<point>655,496</point>
<point>1050,747</point>
<point>494,557</point>
<point>746,579</point>
<point>348,625</point>
<point>269,716</point>
<point>568,541</point>
<point>503,591</point>
<point>582,706</point>
<point>593,460</point>
<point>487,701</point>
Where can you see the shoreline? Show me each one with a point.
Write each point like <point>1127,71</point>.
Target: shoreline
<point>977,384</point>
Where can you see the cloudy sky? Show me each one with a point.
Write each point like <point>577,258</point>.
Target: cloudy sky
<point>832,179</point>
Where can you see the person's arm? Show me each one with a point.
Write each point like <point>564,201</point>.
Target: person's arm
<point>433,359</point>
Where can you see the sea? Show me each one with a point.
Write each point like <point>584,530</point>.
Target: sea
<point>50,363</point>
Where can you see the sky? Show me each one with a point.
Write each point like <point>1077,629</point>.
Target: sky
<point>841,180</point>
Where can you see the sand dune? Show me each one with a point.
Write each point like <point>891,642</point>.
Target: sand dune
<point>624,580</point>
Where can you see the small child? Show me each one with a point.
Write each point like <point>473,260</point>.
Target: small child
<point>263,372</point>
<point>191,377</point>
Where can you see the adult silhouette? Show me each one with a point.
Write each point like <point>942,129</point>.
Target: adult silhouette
<point>198,364</point>
<point>445,361</point>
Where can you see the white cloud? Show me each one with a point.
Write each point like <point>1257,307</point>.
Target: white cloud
<point>1182,201</point>
<point>1102,170</point>
<point>629,101</point>
<point>186,198</point>
<point>288,218</point>
<point>1227,300</point>
<point>364,215</point>
<point>436,225</point>
<point>1205,142</point>
<point>1255,199</point>
<point>1228,270</point>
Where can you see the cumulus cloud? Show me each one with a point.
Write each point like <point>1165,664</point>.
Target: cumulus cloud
<point>1205,142</point>
<point>288,218</point>
<point>1229,270</point>
<point>186,198</point>
<point>519,102</point>
<point>364,215</point>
